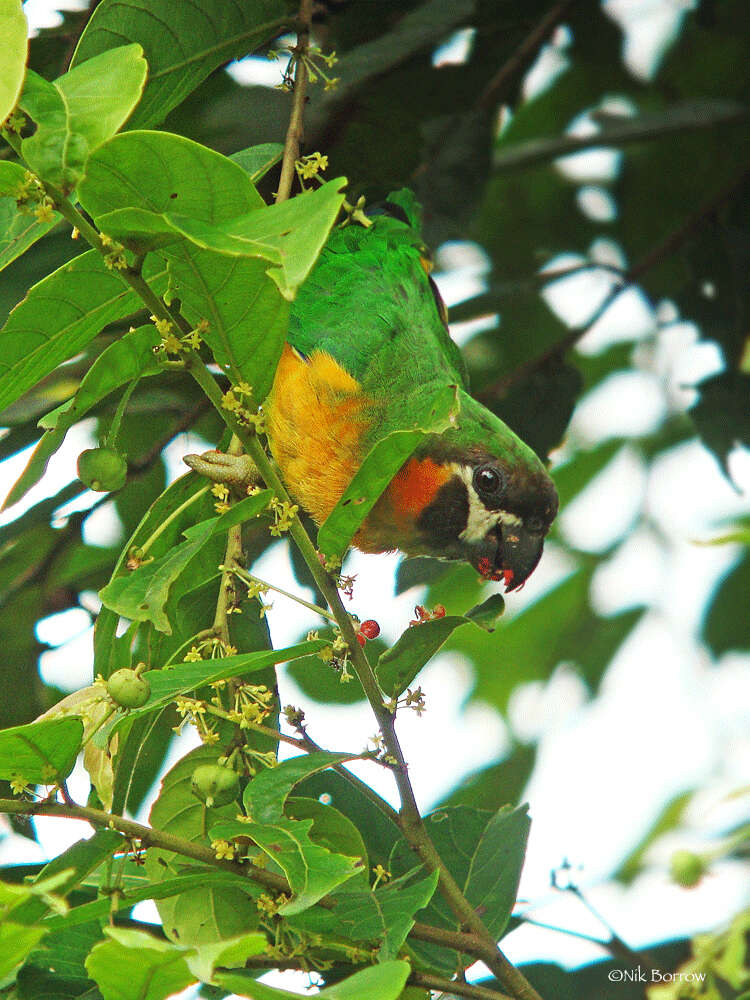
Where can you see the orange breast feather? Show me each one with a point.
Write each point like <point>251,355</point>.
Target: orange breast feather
<point>317,417</point>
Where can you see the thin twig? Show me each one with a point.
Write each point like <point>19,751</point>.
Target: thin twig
<point>660,252</point>
<point>523,54</point>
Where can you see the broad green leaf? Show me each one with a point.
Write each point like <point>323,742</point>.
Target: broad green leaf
<point>267,792</point>
<point>498,784</point>
<point>16,942</point>
<point>560,626</point>
<point>55,969</point>
<point>292,233</point>
<point>74,864</point>
<point>431,415</point>
<point>726,626</point>
<point>331,829</point>
<point>80,111</point>
<point>385,915</point>
<point>722,414</point>
<point>59,316</point>
<point>312,871</point>
<point>19,230</point>
<point>256,161</point>
<point>246,314</point>
<point>40,752</point>
<point>13,30</point>
<point>378,830</point>
<point>142,594</point>
<point>202,913</point>
<point>160,172</point>
<point>484,853</point>
<point>399,665</point>
<point>229,954</point>
<point>12,179</point>
<point>135,964</point>
<point>130,357</point>
<point>183,43</point>
<point>170,682</point>
<point>379,982</point>
<point>203,878</point>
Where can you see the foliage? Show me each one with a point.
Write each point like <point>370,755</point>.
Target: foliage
<point>168,311</point>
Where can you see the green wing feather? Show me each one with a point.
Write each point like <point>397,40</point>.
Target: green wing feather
<point>369,304</point>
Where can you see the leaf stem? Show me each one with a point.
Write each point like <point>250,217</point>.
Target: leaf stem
<point>249,578</point>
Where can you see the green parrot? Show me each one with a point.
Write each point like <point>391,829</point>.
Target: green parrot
<point>368,336</point>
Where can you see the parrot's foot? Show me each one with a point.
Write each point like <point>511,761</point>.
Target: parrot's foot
<point>238,471</point>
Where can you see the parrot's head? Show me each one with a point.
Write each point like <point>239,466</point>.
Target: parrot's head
<point>479,494</point>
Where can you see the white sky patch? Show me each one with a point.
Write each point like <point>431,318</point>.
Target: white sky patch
<point>258,71</point>
<point>71,665</point>
<point>596,203</point>
<point>629,317</point>
<point>45,14</point>
<point>625,404</point>
<point>456,50</point>
<point>618,489</point>
<point>575,298</point>
<point>63,626</point>
<point>650,26</point>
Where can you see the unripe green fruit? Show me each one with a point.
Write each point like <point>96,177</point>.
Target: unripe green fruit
<point>127,689</point>
<point>102,469</point>
<point>687,868</point>
<point>215,785</point>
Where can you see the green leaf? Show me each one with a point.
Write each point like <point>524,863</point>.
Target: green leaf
<point>201,913</point>
<point>80,111</point>
<point>170,682</point>
<point>19,230</point>
<point>258,160</point>
<point>292,233</point>
<point>75,864</point>
<point>40,752</point>
<point>13,31</point>
<point>16,942</point>
<point>378,830</point>
<point>484,853</point>
<point>59,316</point>
<point>142,594</point>
<point>431,415</point>
<point>312,871</point>
<point>160,173</point>
<point>726,626</point>
<point>399,665</point>
<point>55,969</point>
<point>183,43</point>
<point>130,357</point>
<point>135,964</point>
<point>722,414</point>
<point>379,982</point>
<point>229,954</point>
<point>669,818</point>
<point>385,915</point>
<point>331,829</point>
<point>267,792</point>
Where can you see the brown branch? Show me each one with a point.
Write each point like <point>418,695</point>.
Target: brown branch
<point>660,252</point>
<point>295,131</point>
<point>523,54</point>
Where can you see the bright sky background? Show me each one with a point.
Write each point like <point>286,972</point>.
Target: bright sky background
<point>667,719</point>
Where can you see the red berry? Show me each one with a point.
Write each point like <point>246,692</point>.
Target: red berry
<point>438,611</point>
<point>361,639</point>
<point>370,629</point>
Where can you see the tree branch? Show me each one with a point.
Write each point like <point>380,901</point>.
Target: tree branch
<point>523,54</point>
<point>295,131</point>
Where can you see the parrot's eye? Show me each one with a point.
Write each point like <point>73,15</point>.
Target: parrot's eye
<point>488,482</point>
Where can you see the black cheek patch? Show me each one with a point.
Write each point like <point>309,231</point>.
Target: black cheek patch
<point>445,518</point>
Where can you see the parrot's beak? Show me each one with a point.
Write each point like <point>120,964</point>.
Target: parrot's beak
<point>509,553</point>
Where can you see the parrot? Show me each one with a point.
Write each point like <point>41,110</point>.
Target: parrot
<point>368,336</point>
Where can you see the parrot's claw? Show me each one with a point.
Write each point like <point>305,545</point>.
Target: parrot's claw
<point>238,471</point>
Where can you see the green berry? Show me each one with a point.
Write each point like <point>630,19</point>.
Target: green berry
<point>216,785</point>
<point>687,868</point>
<point>127,689</point>
<point>102,469</point>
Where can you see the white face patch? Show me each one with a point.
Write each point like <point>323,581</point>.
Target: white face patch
<point>481,520</point>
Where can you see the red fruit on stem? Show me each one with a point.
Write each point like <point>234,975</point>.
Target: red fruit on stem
<point>361,639</point>
<point>370,629</point>
<point>438,611</point>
